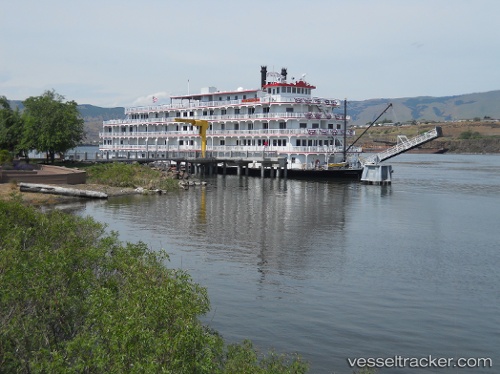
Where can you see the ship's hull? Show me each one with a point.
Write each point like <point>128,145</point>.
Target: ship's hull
<point>340,174</point>
<point>352,174</point>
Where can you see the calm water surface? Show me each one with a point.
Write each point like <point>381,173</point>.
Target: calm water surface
<point>333,270</point>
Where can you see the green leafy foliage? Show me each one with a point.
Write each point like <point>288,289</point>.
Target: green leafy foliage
<point>11,127</point>
<point>119,174</point>
<point>75,299</point>
<point>242,358</point>
<point>5,157</point>
<point>51,125</point>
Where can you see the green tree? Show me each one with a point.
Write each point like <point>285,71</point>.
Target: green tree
<point>11,128</point>
<point>76,300</point>
<point>5,157</point>
<point>51,125</point>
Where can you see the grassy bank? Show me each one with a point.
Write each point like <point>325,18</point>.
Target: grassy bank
<point>113,179</point>
<point>129,175</point>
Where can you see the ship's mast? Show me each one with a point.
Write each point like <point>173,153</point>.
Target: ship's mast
<point>375,120</point>
<point>345,131</point>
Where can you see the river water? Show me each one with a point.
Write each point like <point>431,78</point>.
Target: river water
<point>337,270</point>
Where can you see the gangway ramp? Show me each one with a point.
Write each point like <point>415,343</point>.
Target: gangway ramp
<point>403,146</point>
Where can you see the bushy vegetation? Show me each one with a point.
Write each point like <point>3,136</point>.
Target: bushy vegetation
<point>11,128</point>
<point>118,174</point>
<point>469,135</point>
<point>75,299</point>
<point>51,125</point>
<point>5,157</point>
<point>47,124</point>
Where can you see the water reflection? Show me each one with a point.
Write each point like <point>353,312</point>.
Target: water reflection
<point>328,268</point>
<point>253,220</point>
<point>202,216</point>
<point>276,226</point>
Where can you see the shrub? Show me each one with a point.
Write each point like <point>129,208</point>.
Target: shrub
<point>22,165</point>
<point>5,157</point>
<point>469,135</point>
<point>119,174</point>
<point>75,299</point>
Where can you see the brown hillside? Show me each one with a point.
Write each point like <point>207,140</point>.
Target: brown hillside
<point>458,137</point>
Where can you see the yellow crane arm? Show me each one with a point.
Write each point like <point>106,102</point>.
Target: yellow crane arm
<point>203,125</point>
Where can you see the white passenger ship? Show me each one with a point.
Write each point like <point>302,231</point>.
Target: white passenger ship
<point>282,117</point>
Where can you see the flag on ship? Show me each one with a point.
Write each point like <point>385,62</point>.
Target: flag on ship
<point>155,99</point>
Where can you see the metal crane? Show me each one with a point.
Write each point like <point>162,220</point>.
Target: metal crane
<point>203,125</point>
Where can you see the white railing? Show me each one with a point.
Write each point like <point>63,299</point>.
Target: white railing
<point>403,147</point>
<point>266,99</point>
<point>231,117</point>
<point>235,148</point>
<point>215,132</point>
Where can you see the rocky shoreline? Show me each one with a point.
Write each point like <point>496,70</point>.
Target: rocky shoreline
<point>468,146</point>
<point>481,137</point>
<point>472,146</point>
<point>8,190</point>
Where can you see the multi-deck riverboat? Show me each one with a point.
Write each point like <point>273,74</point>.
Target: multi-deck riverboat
<point>282,117</point>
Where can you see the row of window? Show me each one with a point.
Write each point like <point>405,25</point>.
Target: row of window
<point>228,98</point>
<point>272,90</point>
<point>258,142</point>
<point>211,112</point>
<point>236,126</point>
<point>295,90</point>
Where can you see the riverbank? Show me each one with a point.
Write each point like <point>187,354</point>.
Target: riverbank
<point>8,190</point>
<point>480,137</point>
<point>112,179</point>
<point>458,146</point>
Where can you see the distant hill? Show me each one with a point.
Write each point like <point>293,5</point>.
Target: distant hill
<point>93,117</point>
<point>422,109</point>
<point>427,108</point>
<point>90,111</point>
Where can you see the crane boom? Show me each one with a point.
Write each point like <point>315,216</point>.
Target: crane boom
<point>203,125</point>
<point>371,124</point>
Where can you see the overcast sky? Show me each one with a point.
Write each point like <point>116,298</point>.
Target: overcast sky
<point>122,52</point>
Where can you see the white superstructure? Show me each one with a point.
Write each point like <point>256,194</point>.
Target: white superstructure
<point>281,116</point>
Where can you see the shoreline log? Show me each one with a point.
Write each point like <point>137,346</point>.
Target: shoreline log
<point>54,190</point>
